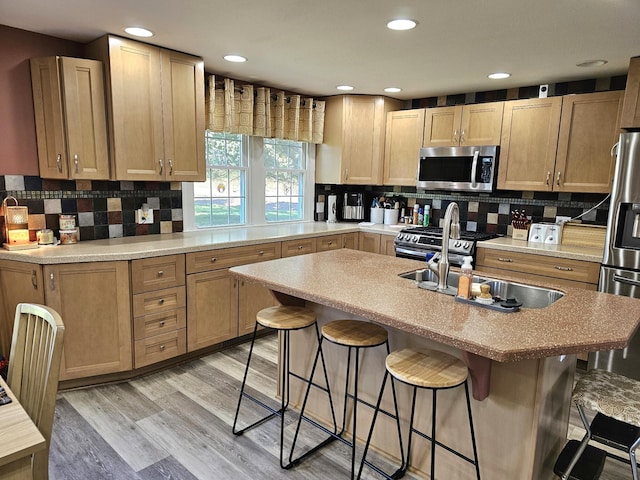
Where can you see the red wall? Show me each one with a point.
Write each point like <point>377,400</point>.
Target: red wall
<point>18,151</point>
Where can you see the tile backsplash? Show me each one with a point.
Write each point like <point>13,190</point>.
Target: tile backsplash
<point>103,209</point>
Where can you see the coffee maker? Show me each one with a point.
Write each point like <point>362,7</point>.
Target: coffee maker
<point>353,207</point>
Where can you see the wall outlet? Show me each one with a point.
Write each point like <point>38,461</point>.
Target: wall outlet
<point>560,219</point>
<point>144,216</point>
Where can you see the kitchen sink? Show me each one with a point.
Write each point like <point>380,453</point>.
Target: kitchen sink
<point>528,295</point>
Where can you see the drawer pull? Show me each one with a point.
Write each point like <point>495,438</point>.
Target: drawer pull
<point>162,347</point>
<point>299,247</point>
<point>564,269</point>
<point>161,301</point>
<point>213,259</point>
<point>501,259</point>
<point>160,273</point>
<point>330,242</point>
<point>261,252</point>
<point>162,323</point>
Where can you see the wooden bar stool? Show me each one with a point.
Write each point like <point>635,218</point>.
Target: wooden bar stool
<point>284,319</point>
<point>356,335</point>
<point>435,371</point>
<point>616,399</point>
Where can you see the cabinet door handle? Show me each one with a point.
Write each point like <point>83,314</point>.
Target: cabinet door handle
<point>548,177</point>
<point>564,269</point>
<point>160,273</point>
<point>454,139</point>
<point>213,259</point>
<point>162,323</point>
<point>462,137</point>
<point>330,243</point>
<point>161,166</point>
<point>75,162</point>
<point>346,174</point>
<point>162,347</point>
<point>501,259</point>
<point>52,283</point>
<point>261,252</point>
<point>59,162</point>
<point>299,247</point>
<point>558,179</point>
<point>34,279</point>
<point>170,167</point>
<point>161,301</point>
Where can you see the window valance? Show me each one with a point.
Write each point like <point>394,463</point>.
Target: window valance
<point>263,112</point>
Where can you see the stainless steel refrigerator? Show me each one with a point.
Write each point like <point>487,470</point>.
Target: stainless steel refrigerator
<point>620,270</point>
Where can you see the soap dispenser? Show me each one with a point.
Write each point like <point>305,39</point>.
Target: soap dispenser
<point>466,277</point>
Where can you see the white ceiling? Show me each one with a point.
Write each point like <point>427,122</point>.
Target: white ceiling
<point>311,46</point>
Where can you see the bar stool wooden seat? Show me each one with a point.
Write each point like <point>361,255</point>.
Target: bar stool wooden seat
<point>435,371</point>
<point>284,319</point>
<point>355,335</point>
<point>616,401</point>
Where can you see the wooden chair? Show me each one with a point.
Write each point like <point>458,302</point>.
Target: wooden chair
<point>34,369</point>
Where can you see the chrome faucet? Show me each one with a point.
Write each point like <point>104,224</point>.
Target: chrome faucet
<point>451,228</point>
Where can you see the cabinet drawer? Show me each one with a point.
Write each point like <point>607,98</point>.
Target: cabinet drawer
<point>157,323</point>
<point>298,247</point>
<point>158,301</point>
<point>230,257</point>
<point>562,268</point>
<point>328,242</point>
<point>156,273</point>
<point>160,347</point>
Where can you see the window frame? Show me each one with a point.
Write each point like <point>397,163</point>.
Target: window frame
<point>255,201</point>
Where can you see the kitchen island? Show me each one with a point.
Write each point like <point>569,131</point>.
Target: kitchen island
<point>526,357</point>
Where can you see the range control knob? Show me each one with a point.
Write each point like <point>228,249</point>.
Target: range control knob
<point>457,244</point>
<point>466,245</point>
<point>415,239</point>
<point>400,236</point>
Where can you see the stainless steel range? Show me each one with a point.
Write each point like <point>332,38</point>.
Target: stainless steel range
<point>422,242</point>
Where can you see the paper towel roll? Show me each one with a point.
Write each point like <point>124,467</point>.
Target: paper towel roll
<point>331,209</point>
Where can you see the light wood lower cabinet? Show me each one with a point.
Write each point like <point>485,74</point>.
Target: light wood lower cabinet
<point>94,301</point>
<point>350,240</point>
<point>301,246</point>
<point>19,282</point>
<point>219,307</point>
<point>159,308</point>
<point>563,271</point>
<point>334,242</point>
<point>377,243</point>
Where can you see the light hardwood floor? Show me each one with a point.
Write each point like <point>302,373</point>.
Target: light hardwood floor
<point>176,424</point>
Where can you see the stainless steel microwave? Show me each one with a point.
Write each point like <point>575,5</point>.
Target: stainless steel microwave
<point>461,169</point>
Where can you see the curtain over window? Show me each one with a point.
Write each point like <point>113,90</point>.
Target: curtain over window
<point>262,112</point>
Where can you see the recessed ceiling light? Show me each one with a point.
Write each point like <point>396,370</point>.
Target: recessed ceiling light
<point>499,75</point>
<point>392,89</point>
<point>235,58</point>
<point>344,87</point>
<point>139,32</point>
<point>401,24</point>
<point>592,63</point>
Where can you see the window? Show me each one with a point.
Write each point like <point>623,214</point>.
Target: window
<point>251,181</point>
<point>284,163</point>
<point>221,198</point>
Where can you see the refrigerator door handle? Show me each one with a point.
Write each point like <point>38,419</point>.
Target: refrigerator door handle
<point>629,281</point>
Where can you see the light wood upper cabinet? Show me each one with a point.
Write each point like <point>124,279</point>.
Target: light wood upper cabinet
<point>560,144</point>
<point>631,108</point>
<point>353,147</point>
<point>529,142</point>
<point>156,110</point>
<point>94,301</point>
<point>405,131</point>
<point>70,117</point>
<point>589,127</point>
<point>478,124</point>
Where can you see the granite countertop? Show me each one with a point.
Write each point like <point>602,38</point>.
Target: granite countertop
<point>368,285</point>
<point>131,248</point>
<point>573,252</point>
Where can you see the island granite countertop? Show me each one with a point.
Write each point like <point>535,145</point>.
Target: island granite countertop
<point>368,285</point>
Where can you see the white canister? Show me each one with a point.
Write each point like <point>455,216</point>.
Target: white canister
<point>377,215</point>
<point>390,216</point>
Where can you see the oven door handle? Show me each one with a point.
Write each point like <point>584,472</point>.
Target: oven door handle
<point>628,281</point>
<point>413,253</point>
<point>474,169</point>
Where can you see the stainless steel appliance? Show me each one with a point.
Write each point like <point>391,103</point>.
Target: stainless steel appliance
<point>353,206</point>
<point>620,270</point>
<point>464,169</point>
<point>418,242</point>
